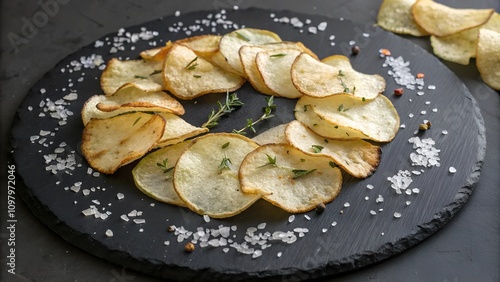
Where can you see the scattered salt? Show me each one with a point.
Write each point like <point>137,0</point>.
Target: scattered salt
<point>397,215</point>
<point>109,233</point>
<point>452,169</point>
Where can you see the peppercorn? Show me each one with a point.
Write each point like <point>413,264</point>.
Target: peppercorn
<point>355,50</point>
<point>320,208</point>
<point>189,247</point>
<point>399,91</point>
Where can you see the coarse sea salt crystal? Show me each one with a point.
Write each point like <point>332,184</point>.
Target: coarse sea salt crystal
<point>307,217</point>
<point>369,186</point>
<point>109,233</point>
<point>334,223</point>
<point>206,218</point>
<point>291,218</point>
<point>397,215</point>
<point>279,254</point>
<point>120,196</point>
<point>444,132</point>
<point>139,221</point>
<point>452,169</point>
<point>322,26</point>
<point>372,212</point>
<point>124,217</point>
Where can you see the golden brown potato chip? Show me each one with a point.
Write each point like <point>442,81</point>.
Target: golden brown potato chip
<point>177,130</point>
<point>231,43</point>
<point>462,46</point>
<point>304,113</point>
<point>154,173</point>
<point>488,57</point>
<point>274,68</point>
<point>188,76</point>
<point>204,46</point>
<point>333,75</point>
<point>129,98</point>
<point>290,179</point>
<point>108,144</point>
<point>156,54</point>
<point>206,175</point>
<point>441,20</point>
<point>358,158</point>
<point>376,119</point>
<point>274,135</point>
<point>247,57</point>
<point>146,74</point>
<point>396,16</point>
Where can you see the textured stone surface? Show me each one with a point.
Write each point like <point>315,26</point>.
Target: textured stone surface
<point>391,248</point>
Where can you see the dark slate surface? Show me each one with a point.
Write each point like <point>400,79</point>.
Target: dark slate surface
<point>462,113</point>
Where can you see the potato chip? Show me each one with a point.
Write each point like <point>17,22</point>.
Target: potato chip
<point>333,75</point>
<point>290,179</point>
<point>144,73</point>
<point>488,57</point>
<point>376,119</point>
<point>358,158</point>
<point>396,16</point>
<point>206,175</point>
<point>441,20</point>
<point>274,68</point>
<point>204,46</point>
<point>154,173</point>
<point>462,46</point>
<point>247,57</point>
<point>231,42</point>
<point>188,76</point>
<point>129,98</point>
<point>127,138</point>
<point>274,135</point>
<point>304,113</point>
<point>177,130</point>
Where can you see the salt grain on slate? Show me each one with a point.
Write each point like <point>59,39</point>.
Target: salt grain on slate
<point>452,170</point>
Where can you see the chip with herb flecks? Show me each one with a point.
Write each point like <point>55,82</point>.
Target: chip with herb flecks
<point>206,175</point>
<point>153,174</point>
<point>288,178</point>
<point>188,76</point>
<point>129,98</point>
<point>357,157</point>
<point>334,75</point>
<point>108,144</point>
<point>231,43</point>
<point>146,74</point>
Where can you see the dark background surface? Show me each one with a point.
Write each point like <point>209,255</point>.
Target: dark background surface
<point>466,249</point>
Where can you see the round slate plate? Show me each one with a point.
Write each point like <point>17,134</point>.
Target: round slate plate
<point>345,237</point>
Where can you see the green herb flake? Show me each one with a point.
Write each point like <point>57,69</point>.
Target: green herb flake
<point>301,172</point>
<point>224,164</point>
<point>225,145</point>
<point>192,64</point>
<point>242,37</point>
<point>277,55</point>
<point>136,121</point>
<point>332,164</point>
<point>196,75</point>
<point>155,72</point>
<point>140,77</point>
<point>270,161</point>
<point>317,148</point>
<point>163,166</point>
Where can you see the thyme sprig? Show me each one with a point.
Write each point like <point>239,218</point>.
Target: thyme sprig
<point>270,161</point>
<point>268,110</point>
<point>164,167</point>
<point>232,101</point>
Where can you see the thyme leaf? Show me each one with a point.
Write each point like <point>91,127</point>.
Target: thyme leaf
<point>270,161</point>
<point>242,37</point>
<point>317,148</point>
<point>192,64</point>
<point>301,172</point>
